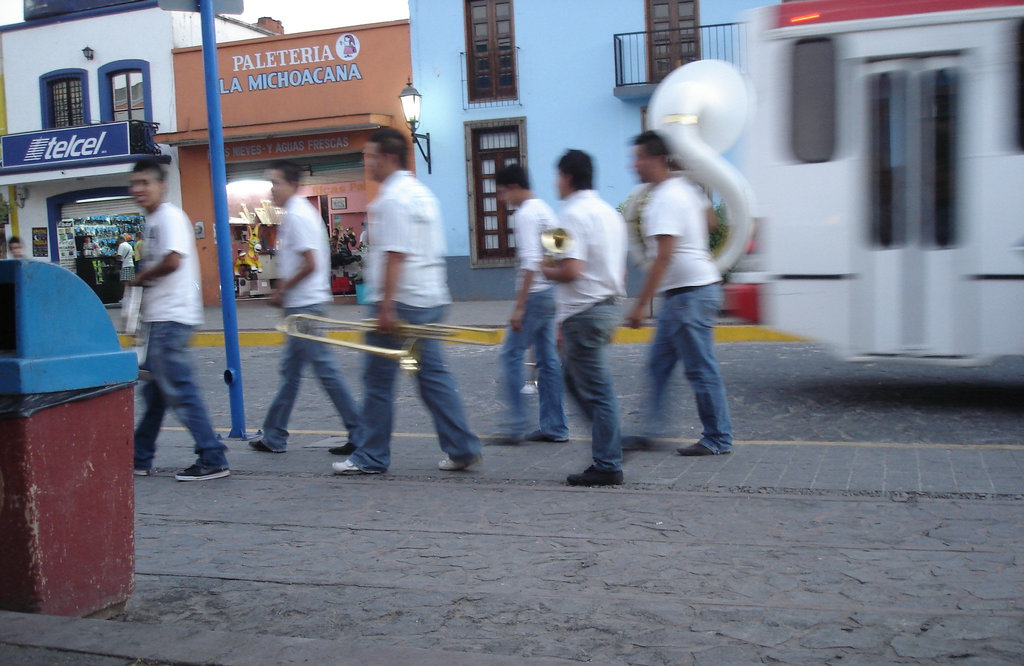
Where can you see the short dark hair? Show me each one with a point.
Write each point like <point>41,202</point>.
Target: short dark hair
<point>578,166</point>
<point>14,239</point>
<point>291,171</point>
<point>392,142</point>
<point>152,165</point>
<point>652,143</point>
<point>513,174</point>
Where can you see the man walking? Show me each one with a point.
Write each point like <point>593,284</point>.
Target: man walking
<point>171,308</point>
<point>674,232</point>
<point>532,323</point>
<point>407,282</point>
<point>127,254</point>
<point>591,276</point>
<point>304,288</point>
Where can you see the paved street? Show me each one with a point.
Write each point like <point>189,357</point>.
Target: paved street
<point>870,514</point>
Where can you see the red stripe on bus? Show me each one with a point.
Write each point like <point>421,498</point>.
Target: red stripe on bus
<point>829,11</point>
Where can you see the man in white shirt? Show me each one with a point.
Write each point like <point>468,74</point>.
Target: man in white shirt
<point>532,323</point>
<point>171,308</point>
<point>304,261</point>
<point>407,281</point>
<point>591,276</point>
<point>674,230</point>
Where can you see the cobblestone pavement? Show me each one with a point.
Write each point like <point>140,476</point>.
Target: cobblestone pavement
<point>870,514</point>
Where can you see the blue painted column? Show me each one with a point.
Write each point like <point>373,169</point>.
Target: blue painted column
<point>218,176</point>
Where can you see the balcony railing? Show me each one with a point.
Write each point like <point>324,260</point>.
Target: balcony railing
<point>644,58</point>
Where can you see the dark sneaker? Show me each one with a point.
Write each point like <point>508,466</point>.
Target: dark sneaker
<point>538,436</point>
<point>347,449</point>
<point>595,477</point>
<point>197,473</point>
<point>698,450</point>
<point>258,445</point>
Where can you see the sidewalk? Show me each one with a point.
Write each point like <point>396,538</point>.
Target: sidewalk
<point>866,516</point>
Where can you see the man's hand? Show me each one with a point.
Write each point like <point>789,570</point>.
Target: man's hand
<point>516,320</point>
<point>387,320</point>
<point>277,298</point>
<point>636,317</point>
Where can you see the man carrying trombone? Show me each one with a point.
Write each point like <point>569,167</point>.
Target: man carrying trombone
<point>407,281</point>
<point>304,288</point>
<point>592,275</point>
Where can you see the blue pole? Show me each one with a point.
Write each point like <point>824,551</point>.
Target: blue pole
<point>218,179</point>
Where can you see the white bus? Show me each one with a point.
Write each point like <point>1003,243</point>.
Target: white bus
<point>887,159</point>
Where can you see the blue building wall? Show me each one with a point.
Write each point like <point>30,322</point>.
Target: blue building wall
<point>566,71</point>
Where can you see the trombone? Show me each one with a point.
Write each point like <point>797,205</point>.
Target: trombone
<point>407,356</point>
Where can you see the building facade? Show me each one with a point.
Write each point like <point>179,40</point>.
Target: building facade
<point>79,112</point>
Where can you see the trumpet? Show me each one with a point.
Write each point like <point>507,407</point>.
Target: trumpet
<point>556,242</point>
<point>407,356</point>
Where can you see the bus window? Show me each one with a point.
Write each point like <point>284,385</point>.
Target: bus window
<point>888,159</point>
<point>939,164</point>
<point>814,100</point>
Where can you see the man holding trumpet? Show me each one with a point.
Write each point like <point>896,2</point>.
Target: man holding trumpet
<point>591,272</point>
<point>407,283</point>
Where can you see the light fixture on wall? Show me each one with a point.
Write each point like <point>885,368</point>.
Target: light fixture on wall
<point>410,98</point>
<point>20,194</point>
<point>88,53</point>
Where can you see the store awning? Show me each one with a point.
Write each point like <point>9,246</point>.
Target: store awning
<point>352,123</point>
<point>121,165</point>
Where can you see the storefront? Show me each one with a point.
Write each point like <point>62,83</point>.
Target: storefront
<point>313,98</point>
<point>72,195</point>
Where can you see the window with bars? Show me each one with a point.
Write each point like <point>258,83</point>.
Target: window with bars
<point>490,50</point>
<point>128,100</point>
<point>66,102</point>
<point>492,148</point>
<point>674,27</point>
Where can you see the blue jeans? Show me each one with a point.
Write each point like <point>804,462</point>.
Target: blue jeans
<point>685,333</point>
<point>538,331</point>
<point>588,379</point>
<point>297,353</point>
<point>172,384</point>
<point>437,390</point>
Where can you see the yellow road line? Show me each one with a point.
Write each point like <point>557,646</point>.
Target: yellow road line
<point>736,333</point>
<point>669,440</point>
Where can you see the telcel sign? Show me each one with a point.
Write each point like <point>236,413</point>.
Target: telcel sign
<point>61,146</point>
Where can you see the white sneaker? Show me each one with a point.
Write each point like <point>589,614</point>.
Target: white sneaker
<point>450,465</point>
<point>346,466</point>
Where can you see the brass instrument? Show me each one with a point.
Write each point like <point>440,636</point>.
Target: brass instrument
<point>556,242</point>
<point>300,326</point>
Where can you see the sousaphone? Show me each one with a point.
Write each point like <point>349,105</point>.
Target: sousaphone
<point>701,110</point>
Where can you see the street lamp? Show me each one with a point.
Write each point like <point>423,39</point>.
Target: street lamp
<point>410,98</point>
<point>88,52</point>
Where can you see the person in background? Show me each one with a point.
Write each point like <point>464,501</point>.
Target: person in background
<point>592,276</point>
<point>127,254</point>
<point>15,250</point>
<point>171,307</point>
<point>532,323</point>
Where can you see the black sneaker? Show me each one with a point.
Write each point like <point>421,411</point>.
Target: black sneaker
<point>258,445</point>
<point>197,473</point>
<point>595,477</point>
<point>347,449</point>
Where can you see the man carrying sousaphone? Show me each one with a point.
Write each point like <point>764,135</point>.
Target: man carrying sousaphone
<point>591,276</point>
<point>406,276</point>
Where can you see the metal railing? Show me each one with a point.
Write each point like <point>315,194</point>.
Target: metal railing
<point>633,50</point>
<point>142,137</point>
